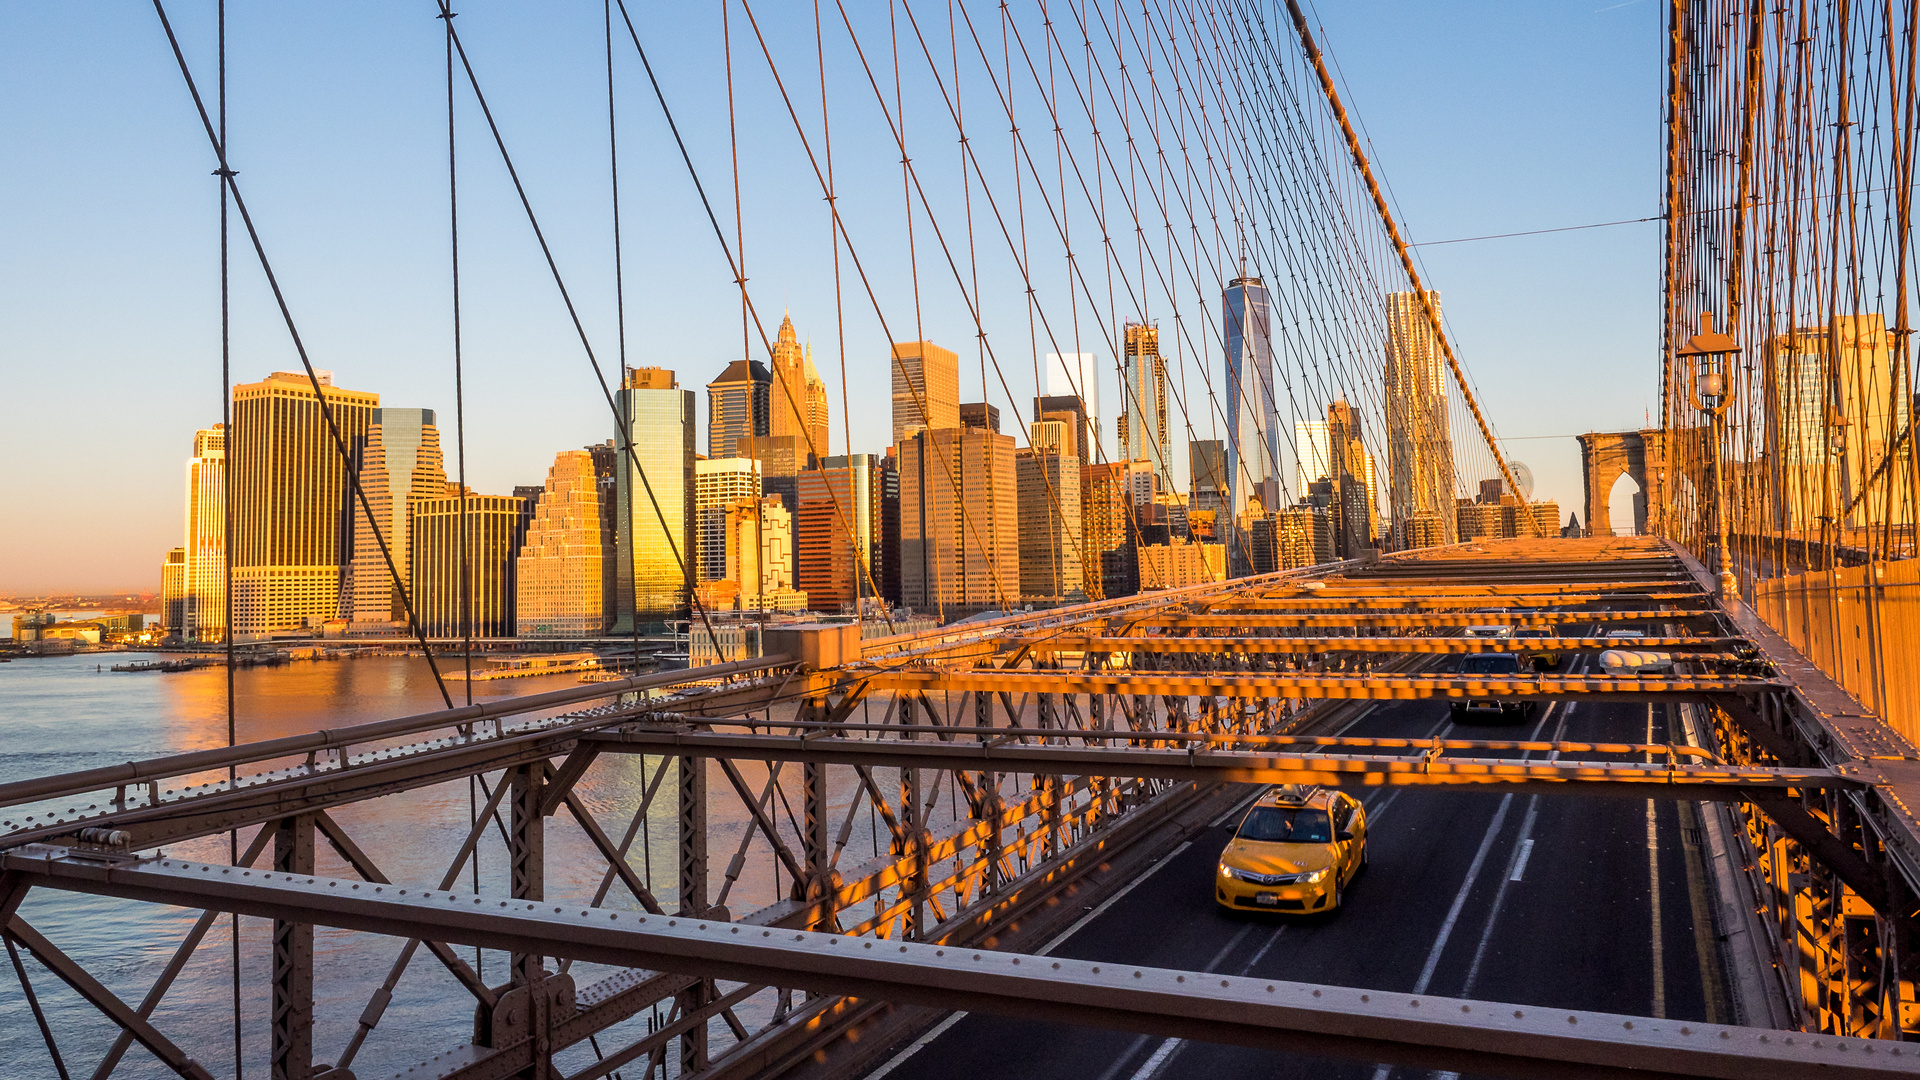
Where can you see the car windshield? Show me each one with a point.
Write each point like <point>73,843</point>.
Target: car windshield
<point>1490,665</point>
<point>1287,825</point>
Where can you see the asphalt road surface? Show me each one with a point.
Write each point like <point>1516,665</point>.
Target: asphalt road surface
<point>1557,901</point>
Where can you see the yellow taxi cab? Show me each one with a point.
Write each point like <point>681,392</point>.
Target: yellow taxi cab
<point>1296,850</point>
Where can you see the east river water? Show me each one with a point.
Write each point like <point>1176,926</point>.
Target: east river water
<point>65,714</point>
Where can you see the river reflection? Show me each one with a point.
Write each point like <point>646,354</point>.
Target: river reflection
<point>65,714</point>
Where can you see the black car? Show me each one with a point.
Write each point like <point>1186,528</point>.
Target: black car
<point>1497,709</point>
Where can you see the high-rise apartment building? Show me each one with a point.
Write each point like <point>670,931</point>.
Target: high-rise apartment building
<point>291,496</point>
<point>719,485</point>
<point>781,458</point>
<point>738,406</point>
<point>1051,539</point>
<point>494,528</point>
<point>1142,423</point>
<point>798,396</point>
<point>1253,414</point>
<point>926,389</point>
<point>1353,506</point>
<point>760,555</point>
<point>959,539</point>
<point>1106,516</point>
<point>838,532</point>
<point>1076,375</point>
<point>1071,412</point>
<point>563,580</point>
<point>653,497</point>
<point>203,612</point>
<point>980,414</point>
<point>173,590</point>
<point>399,463</point>
<point>1207,464</point>
<point>1312,454</point>
<point>1420,477</point>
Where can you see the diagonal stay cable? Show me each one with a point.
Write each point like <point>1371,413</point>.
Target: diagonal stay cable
<point>293,331</point>
<point>726,250</point>
<point>580,329</point>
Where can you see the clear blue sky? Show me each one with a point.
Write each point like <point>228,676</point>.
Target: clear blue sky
<point>1483,118</point>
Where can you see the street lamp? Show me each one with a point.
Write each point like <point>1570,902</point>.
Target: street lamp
<point>1712,390</point>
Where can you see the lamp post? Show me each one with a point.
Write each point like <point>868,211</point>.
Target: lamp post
<point>1711,383</point>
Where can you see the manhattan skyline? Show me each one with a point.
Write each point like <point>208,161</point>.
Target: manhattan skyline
<point>151,369</point>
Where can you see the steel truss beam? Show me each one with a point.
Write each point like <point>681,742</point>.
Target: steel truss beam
<point>1321,645</point>
<point>105,1000</point>
<point>1624,688</point>
<point>1669,779</point>
<point>1701,619</point>
<point>1364,1025</point>
<point>1412,600</point>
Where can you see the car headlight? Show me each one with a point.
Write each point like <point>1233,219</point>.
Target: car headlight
<point>1316,877</point>
<point>1227,871</point>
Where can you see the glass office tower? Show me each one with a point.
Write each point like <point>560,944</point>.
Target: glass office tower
<point>1253,415</point>
<point>653,500</point>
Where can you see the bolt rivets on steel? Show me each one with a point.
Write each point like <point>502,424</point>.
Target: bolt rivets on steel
<point>1573,1019</point>
<point>1316,993</point>
<point>943,952</point>
<point>1628,1025</point>
<point>1466,1008</point>
<point>1516,1013</point>
<point>1686,1031</point>
<point>1415,1003</point>
<point>703,926</point>
<point>1179,978</point>
<point>1366,997</point>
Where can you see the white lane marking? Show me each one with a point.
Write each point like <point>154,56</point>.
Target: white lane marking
<point>1653,890</point>
<point>1351,724</point>
<point>1172,1046</point>
<point>1517,865</point>
<point>1159,1058</point>
<point>919,1044</point>
<point>1109,901</point>
<point>1526,851</point>
<point>1453,913</point>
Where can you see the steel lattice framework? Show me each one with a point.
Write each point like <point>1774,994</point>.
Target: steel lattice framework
<point>1066,741</point>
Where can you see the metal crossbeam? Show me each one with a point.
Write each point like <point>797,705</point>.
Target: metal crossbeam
<point>1475,618</point>
<point>1319,645</point>
<point>1364,1025</point>
<point>1412,600</point>
<point>1283,685</point>
<point>1667,779</point>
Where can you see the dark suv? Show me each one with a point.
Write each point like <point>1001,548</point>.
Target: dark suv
<point>1498,663</point>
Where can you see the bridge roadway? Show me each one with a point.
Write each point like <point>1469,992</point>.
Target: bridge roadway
<point>1550,901</point>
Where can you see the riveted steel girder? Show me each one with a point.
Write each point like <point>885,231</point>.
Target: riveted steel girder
<point>1159,643</point>
<point>1702,619</point>
<point>1665,779</point>
<point>1366,1025</point>
<point>1307,685</point>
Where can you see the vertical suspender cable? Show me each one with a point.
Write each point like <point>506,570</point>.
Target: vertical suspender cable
<point>460,448</point>
<point>619,277</point>
<point>226,539</point>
